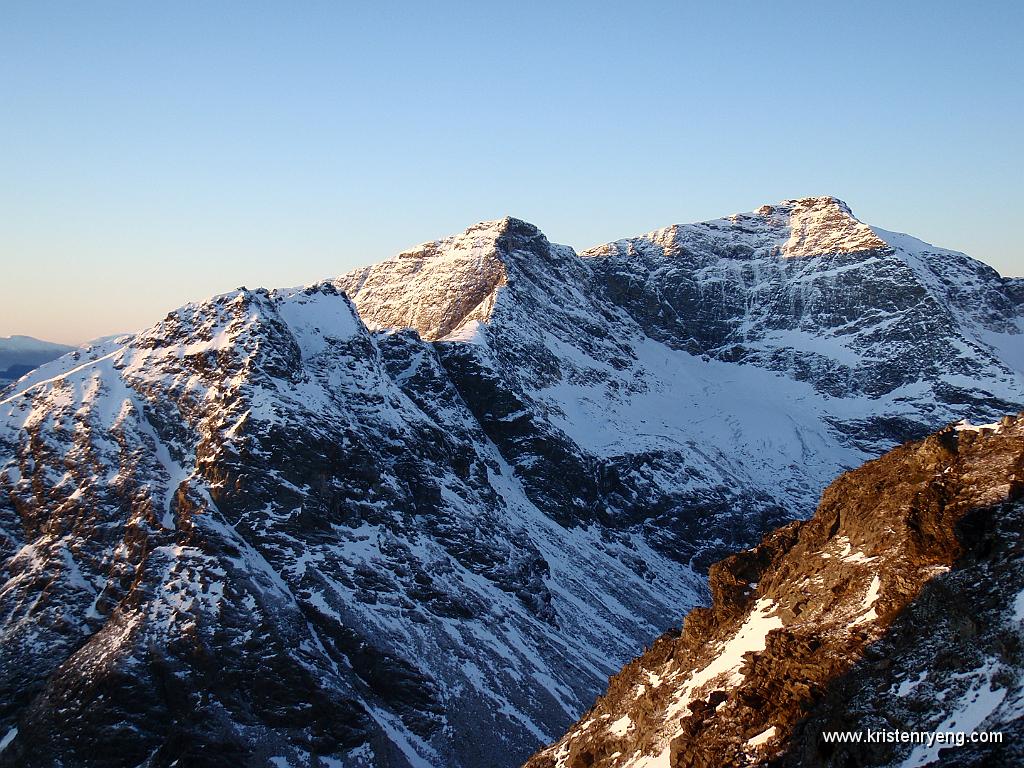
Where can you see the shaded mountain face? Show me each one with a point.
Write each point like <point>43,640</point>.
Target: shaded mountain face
<point>418,514</point>
<point>898,607</point>
<point>20,354</point>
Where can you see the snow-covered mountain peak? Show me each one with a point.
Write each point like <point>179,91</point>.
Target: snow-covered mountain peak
<point>482,235</point>
<point>796,205</point>
<point>446,286</point>
<point>800,227</point>
<point>825,225</point>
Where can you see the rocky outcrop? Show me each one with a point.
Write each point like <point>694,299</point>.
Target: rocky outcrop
<point>895,608</point>
<point>422,525</point>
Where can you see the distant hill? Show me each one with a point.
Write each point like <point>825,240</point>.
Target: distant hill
<point>21,354</point>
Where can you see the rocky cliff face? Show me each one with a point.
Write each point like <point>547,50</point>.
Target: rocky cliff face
<point>850,309</point>
<point>896,607</point>
<point>422,526</point>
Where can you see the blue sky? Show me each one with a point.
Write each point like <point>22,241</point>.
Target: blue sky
<point>158,153</point>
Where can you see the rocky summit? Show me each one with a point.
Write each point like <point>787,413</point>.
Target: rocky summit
<point>897,609</point>
<point>416,515</point>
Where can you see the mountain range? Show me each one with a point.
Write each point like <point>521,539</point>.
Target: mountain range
<point>418,514</point>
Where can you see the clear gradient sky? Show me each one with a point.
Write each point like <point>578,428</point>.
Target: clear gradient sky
<point>157,153</point>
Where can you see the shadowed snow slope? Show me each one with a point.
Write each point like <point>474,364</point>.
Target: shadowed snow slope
<point>421,527</point>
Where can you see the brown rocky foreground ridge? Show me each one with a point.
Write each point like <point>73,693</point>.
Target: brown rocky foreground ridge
<point>897,608</point>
